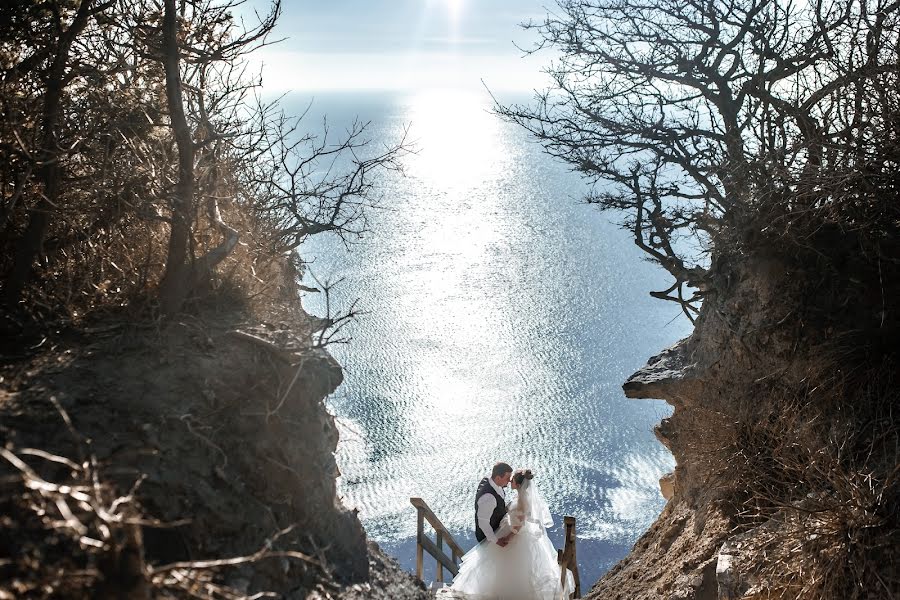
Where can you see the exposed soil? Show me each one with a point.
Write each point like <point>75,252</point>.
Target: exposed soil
<point>223,425</point>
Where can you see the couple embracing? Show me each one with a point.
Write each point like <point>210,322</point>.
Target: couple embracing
<point>514,558</point>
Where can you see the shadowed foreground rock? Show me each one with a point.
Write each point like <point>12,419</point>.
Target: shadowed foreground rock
<point>225,426</point>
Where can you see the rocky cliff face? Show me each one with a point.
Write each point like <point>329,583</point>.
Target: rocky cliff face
<point>224,427</point>
<point>776,395</point>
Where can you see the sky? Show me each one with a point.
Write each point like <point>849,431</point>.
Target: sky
<point>402,45</point>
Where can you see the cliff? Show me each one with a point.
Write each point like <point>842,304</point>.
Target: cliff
<point>784,440</point>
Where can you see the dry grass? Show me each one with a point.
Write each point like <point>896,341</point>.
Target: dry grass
<point>75,537</point>
<point>819,476</point>
<point>119,270</point>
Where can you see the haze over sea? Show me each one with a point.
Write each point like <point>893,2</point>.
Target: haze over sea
<point>502,315</point>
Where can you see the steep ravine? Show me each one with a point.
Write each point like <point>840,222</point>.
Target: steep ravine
<point>220,418</point>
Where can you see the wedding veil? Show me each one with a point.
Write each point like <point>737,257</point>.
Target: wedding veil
<point>533,504</point>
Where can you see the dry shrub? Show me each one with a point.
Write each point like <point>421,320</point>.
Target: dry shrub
<point>106,272</point>
<point>69,535</point>
<point>255,277</point>
<point>819,474</point>
<point>119,268</point>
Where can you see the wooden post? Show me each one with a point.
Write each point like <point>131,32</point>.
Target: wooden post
<point>439,577</point>
<point>570,556</point>
<point>561,558</point>
<point>420,533</point>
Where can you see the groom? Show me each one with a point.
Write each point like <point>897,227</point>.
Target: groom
<point>490,505</point>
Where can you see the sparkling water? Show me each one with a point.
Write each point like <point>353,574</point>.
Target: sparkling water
<point>502,315</point>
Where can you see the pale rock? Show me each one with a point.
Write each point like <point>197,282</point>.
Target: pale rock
<point>665,376</point>
<point>667,485</point>
<point>725,575</point>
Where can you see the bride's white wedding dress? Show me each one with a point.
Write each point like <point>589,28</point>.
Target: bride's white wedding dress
<point>526,569</point>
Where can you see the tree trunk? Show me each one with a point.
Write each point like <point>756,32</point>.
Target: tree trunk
<point>50,171</point>
<point>176,282</point>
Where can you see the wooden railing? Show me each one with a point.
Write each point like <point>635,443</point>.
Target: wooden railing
<point>435,548</point>
<point>567,558</point>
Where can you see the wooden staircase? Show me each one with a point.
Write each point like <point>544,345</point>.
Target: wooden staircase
<point>566,557</point>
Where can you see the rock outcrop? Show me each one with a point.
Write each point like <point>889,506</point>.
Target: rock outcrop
<point>224,427</point>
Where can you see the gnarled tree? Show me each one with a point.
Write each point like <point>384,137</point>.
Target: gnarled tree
<point>723,121</point>
<point>134,147</point>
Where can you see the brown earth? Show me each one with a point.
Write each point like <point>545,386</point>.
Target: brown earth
<point>223,425</point>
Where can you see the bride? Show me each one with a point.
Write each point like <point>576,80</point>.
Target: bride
<point>526,567</point>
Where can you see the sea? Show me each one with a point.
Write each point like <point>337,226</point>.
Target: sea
<point>499,315</point>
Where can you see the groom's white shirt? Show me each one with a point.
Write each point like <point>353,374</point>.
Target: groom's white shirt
<point>486,505</point>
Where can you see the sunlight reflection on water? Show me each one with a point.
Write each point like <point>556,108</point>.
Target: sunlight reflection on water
<point>502,319</point>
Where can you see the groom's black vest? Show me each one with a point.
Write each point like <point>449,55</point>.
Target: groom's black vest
<point>485,487</point>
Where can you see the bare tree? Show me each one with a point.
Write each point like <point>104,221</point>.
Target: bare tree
<point>133,133</point>
<point>718,121</point>
<point>55,245</point>
<point>766,133</point>
<point>206,43</point>
<point>234,147</point>
<point>309,184</point>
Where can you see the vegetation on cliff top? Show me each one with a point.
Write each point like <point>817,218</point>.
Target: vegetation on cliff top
<point>140,165</point>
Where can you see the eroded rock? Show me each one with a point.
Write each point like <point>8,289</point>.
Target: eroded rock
<point>666,376</point>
